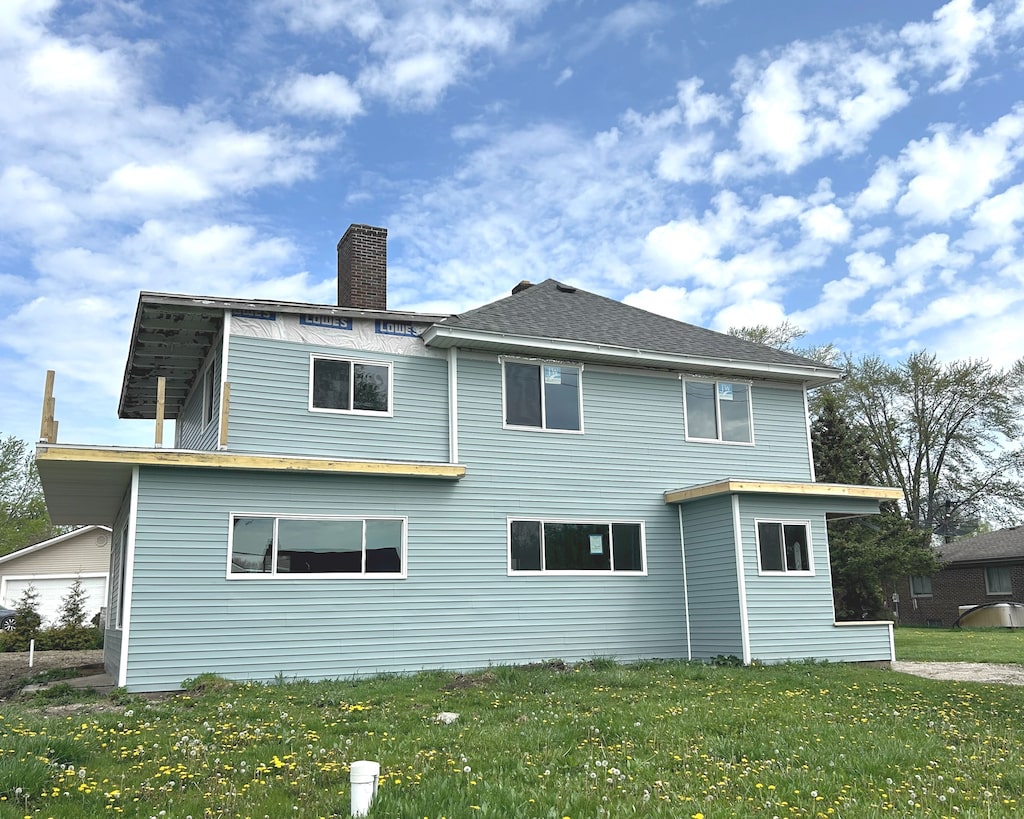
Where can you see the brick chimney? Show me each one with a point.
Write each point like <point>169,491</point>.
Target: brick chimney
<point>363,268</point>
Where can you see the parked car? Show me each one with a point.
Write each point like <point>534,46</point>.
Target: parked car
<point>7,619</point>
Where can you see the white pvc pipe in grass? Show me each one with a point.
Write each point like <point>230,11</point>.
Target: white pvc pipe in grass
<point>363,778</point>
<point>31,652</point>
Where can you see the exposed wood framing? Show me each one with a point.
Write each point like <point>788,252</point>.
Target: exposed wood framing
<point>835,490</point>
<point>225,460</point>
<point>225,401</point>
<point>161,391</point>
<point>48,426</point>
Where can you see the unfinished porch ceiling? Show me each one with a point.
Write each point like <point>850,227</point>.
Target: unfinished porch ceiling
<point>170,340</point>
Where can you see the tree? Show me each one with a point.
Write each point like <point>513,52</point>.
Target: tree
<point>871,552</point>
<point>72,611</point>
<point>946,434</point>
<point>23,516</point>
<point>783,336</point>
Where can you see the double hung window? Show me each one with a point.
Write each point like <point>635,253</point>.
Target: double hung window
<point>782,547</point>
<point>347,385</point>
<point>997,580</point>
<point>568,546</point>
<point>718,411</point>
<point>276,546</point>
<point>920,585</point>
<point>543,396</point>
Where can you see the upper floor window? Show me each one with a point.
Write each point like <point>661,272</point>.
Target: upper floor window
<point>274,546</point>
<point>997,580</point>
<point>783,547</point>
<point>210,392</point>
<point>568,546</point>
<point>920,585</point>
<point>718,411</point>
<point>348,385</point>
<point>543,396</point>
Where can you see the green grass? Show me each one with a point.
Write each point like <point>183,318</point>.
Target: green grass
<point>960,645</point>
<point>662,740</point>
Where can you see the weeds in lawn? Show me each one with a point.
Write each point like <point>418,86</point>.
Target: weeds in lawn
<point>593,740</point>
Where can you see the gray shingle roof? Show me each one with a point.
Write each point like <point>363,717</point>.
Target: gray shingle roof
<point>1004,545</point>
<point>557,311</point>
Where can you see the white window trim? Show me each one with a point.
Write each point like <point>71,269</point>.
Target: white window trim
<point>573,572</point>
<point>543,399</point>
<point>274,576</point>
<point>718,413</point>
<point>390,413</point>
<point>809,572</point>
<point>988,587</point>
<point>920,594</point>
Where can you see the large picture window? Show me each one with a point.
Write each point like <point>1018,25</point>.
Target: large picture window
<point>275,546</point>
<point>568,546</point>
<point>997,580</point>
<point>718,411</point>
<point>783,547</point>
<point>542,396</point>
<point>346,385</point>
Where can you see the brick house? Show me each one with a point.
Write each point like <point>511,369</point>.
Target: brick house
<point>988,568</point>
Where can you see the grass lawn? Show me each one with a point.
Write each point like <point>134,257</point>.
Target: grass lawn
<point>595,740</point>
<point>995,645</point>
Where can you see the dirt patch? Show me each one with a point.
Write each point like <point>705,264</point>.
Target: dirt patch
<point>14,664</point>
<point>968,672</point>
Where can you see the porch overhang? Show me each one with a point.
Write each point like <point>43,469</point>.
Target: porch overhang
<point>839,492</point>
<point>87,484</point>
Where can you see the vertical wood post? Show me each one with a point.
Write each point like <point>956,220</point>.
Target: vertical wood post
<point>161,391</point>
<point>225,401</point>
<point>47,427</point>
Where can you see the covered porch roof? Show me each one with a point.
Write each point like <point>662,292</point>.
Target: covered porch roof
<point>86,484</point>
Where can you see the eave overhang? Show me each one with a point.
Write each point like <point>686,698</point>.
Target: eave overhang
<point>445,336</point>
<point>732,486</point>
<point>84,484</point>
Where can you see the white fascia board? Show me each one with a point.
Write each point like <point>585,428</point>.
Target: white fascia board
<point>443,336</point>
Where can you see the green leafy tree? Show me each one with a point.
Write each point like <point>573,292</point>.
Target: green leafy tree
<point>23,516</point>
<point>948,435</point>
<point>27,621</point>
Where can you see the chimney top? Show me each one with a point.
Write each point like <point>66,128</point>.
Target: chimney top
<point>363,268</point>
<point>523,285</point>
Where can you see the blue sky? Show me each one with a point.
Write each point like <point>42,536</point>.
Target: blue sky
<point>855,168</point>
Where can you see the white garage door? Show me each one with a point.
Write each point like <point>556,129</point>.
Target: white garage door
<point>52,590</point>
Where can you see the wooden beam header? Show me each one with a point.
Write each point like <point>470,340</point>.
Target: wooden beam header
<point>808,489</point>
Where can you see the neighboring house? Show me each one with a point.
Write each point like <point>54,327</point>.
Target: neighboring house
<point>555,474</point>
<point>988,568</point>
<point>54,565</point>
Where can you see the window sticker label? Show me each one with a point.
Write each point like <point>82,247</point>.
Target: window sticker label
<point>394,328</point>
<point>597,544</point>
<point>262,315</point>
<point>330,322</point>
<point>552,375</point>
<point>724,392</point>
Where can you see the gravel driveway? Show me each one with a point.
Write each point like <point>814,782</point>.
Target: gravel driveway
<point>969,672</point>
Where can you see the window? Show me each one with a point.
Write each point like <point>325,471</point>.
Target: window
<point>997,580</point>
<point>344,385</point>
<point>543,396</point>
<point>920,586</point>
<point>783,547</point>
<point>275,546</point>
<point>564,546</point>
<point>210,392</point>
<point>718,411</point>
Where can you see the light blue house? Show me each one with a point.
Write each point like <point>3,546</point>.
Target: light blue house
<point>555,474</point>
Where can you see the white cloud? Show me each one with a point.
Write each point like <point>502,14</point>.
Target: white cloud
<point>997,220</point>
<point>31,202</point>
<point>58,68</point>
<point>699,108</point>
<point>951,172</point>
<point>826,223</point>
<point>168,181</point>
<point>685,161</point>
<point>881,191</point>
<point>797,107</point>
<point>951,41</point>
<point>322,95</point>
<point>564,76</point>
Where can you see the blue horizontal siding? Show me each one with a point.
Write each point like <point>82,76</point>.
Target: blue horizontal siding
<point>269,408</point>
